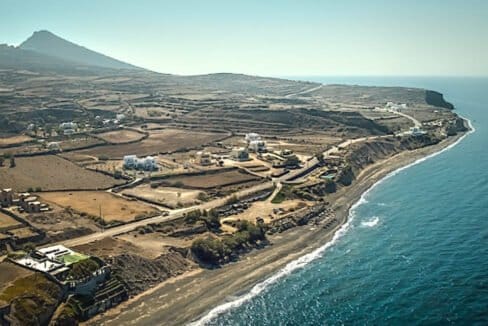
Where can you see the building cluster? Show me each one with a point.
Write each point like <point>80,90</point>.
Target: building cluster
<point>54,260</point>
<point>204,158</point>
<point>147,163</point>
<point>416,131</point>
<point>107,122</point>
<point>24,201</point>
<point>255,143</point>
<point>239,154</point>
<point>396,106</point>
<point>68,128</point>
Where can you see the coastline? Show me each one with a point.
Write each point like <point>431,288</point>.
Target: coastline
<point>192,296</point>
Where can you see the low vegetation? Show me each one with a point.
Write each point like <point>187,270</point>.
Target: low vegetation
<point>215,251</point>
<point>32,298</point>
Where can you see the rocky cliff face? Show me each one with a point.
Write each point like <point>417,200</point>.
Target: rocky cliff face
<point>368,153</point>
<point>437,99</point>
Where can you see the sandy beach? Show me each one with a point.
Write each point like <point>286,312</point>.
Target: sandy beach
<point>191,296</point>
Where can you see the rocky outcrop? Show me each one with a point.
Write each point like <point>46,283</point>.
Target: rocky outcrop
<point>140,273</point>
<point>437,99</point>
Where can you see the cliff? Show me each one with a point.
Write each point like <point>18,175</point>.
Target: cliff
<point>437,99</point>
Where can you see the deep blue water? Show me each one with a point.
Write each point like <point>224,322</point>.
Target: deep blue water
<point>416,249</point>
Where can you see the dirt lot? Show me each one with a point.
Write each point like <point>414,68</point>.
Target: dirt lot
<point>212,180</point>
<point>159,141</point>
<point>50,172</point>
<point>121,136</point>
<point>9,272</point>
<point>154,244</point>
<point>7,221</point>
<point>14,140</point>
<point>78,158</point>
<point>167,196</point>
<point>265,210</point>
<point>109,247</point>
<point>23,233</point>
<point>114,208</point>
<point>60,223</point>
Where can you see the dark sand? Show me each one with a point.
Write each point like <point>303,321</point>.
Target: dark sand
<point>190,296</point>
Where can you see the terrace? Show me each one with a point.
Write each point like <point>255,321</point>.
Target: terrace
<point>52,260</point>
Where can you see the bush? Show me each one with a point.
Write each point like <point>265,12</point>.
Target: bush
<point>82,269</point>
<point>193,216</point>
<point>209,250</point>
<point>232,200</point>
<point>214,251</point>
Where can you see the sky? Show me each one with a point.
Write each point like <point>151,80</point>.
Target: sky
<point>274,38</point>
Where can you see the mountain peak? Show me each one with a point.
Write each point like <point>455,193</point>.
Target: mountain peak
<point>48,43</point>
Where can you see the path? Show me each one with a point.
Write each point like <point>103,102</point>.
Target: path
<point>305,91</point>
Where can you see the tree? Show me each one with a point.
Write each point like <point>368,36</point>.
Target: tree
<point>320,157</point>
<point>2,160</point>
<point>12,161</point>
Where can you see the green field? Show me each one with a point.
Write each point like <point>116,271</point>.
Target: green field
<point>70,259</point>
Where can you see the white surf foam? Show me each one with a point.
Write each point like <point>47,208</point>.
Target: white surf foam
<point>371,223</point>
<point>317,253</point>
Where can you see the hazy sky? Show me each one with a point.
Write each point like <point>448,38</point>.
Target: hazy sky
<point>328,37</point>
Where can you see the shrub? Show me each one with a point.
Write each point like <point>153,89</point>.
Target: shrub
<point>193,216</point>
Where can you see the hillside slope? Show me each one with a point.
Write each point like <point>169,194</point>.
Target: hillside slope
<point>47,43</point>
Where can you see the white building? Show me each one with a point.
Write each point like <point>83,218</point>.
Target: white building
<point>53,146</point>
<point>68,125</point>
<point>51,260</point>
<point>120,116</point>
<point>257,146</point>
<point>239,154</point>
<point>252,137</point>
<point>147,163</point>
<point>416,131</point>
<point>204,158</point>
<point>396,106</point>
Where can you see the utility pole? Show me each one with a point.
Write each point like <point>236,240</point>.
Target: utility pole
<point>101,217</point>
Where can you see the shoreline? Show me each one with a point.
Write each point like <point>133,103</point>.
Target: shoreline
<point>198,296</point>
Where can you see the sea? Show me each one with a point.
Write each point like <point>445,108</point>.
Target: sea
<point>415,249</point>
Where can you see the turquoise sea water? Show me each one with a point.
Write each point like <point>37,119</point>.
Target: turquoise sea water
<point>415,250</point>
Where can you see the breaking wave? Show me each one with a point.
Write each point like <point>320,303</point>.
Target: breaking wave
<point>317,253</point>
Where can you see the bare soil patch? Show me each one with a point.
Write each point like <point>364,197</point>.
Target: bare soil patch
<point>167,196</point>
<point>9,141</point>
<point>159,141</point>
<point>7,221</point>
<point>113,208</point>
<point>121,136</point>
<point>10,272</point>
<point>50,172</point>
<point>212,180</point>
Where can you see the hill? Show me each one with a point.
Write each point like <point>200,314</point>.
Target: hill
<point>45,42</point>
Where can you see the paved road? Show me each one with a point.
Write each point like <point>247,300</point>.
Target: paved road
<point>416,123</point>
<point>177,213</point>
<point>174,214</point>
<point>304,92</point>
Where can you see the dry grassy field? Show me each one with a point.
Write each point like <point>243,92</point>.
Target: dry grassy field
<point>159,141</point>
<point>50,172</point>
<point>113,208</point>
<point>7,221</point>
<point>8,141</point>
<point>171,197</point>
<point>11,272</point>
<point>121,136</point>
<point>208,181</point>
